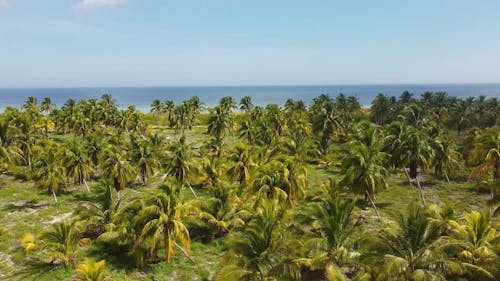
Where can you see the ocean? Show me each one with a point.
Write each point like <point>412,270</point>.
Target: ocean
<point>142,97</point>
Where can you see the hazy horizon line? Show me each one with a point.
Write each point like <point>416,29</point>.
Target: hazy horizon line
<point>251,85</point>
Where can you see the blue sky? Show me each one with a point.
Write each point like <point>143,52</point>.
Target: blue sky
<point>65,43</point>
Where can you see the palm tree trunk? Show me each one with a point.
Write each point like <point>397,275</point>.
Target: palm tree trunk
<point>53,194</point>
<point>184,252</point>
<point>373,204</point>
<point>421,191</point>
<point>192,190</point>
<point>86,185</point>
<point>408,176</point>
<point>447,178</point>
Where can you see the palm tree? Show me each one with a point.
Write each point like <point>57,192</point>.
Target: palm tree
<point>78,165</point>
<point>381,109</point>
<point>10,153</point>
<point>99,210</point>
<point>365,172</point>
<point>90,270</point>
<point>168,108</point>
<point>333,225</point>
<point>30,103</point>
<point>180,164</point>
<point>490,142</point>
<point>281,179</point>
<point>227,104</point>
<point>161,222</point>
<point>476,242</point>
<point>46,106</point>
<point>246,104</point>
<point>241,165</point>
<point>219,123</point>
<point>414,149</point>
<point>446,156</point>
<point>157,108</point>
<point>144,156</point>
<point>262,251</point>
<point>116,167</point>
<point>49,171</point>
<point>222,211</point>
<point>63,241</point>
<point>410,249</point>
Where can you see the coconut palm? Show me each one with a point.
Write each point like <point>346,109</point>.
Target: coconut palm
<point>63,241</point>
<point>241,164</point>
<point>157,108</point>
<point>475,241</point>
<point>179,164</point>
<point>283,179</point>
<point>221,211</point>
<point>332,224</point>
<point>90,270</point>
<point>10,153</point>
<point>49,171</point>
<point>246,104</point>
<point>445,156</point>
<point>227,104</point>
<point>160,221</point>
<point>168,108</point>
<point>144,157</point>
<point>381,109</point>
<point>365,172</point>
<point>410,249</point>
<point>115,166</point>
<point>99,210</point>
<point>489,142</point>
<point>76,161</point>
<point>219,123</point>
<point>262,251</point>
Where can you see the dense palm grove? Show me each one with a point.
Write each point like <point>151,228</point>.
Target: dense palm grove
<point>252,171</point>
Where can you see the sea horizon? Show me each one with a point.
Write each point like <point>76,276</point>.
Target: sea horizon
<point>143,96</point>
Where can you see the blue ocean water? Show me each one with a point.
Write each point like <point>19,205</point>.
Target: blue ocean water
<point>142,97</point>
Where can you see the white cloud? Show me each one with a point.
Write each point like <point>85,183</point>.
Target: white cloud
<point>90,5</point>
<point>3,3</point>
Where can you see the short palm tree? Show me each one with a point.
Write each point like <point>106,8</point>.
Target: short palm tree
<point>246,104</point>
<point>144,156</point>
<point>63,241</point>
<point>241,164</point>
<point>332,224</point>
<point>90,270</point>
<point>409,249</point>
<point>445,156</point>
<point>78,165</point>
<point>160,221</point>
<point>476,242</point>
<point>262,250</point>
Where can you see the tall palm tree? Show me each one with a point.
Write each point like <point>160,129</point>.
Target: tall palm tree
<point>144,156</point>
<point>115,166</point>
<point>445,156</point>
<point>227,104</point>
<point>415,150</point>
<point>365,172</point>
<point>161,222</point>
<point>246,104</point>
<point>157,108</point>
<point>381,109</point>
<point>90,270</point>
<point>168,108</point>
<point>489,142</point>
<point>78,165</point>
<point>219,123</point>
<point>241,165</point>
<point>410,249</point>
<point>10,153</point>
<point>179,164</point>
<point>49,171</point>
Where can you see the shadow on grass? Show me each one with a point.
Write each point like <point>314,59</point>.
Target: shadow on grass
<point>30,204</point>
<point>363,205</point>
<point>34,271</point>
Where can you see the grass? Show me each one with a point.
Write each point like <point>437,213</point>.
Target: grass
<point>24,209</point>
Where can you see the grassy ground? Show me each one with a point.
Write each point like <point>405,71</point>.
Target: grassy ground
<point>24,209</point>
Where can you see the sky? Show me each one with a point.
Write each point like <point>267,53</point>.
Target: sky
<point>86,43</point>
